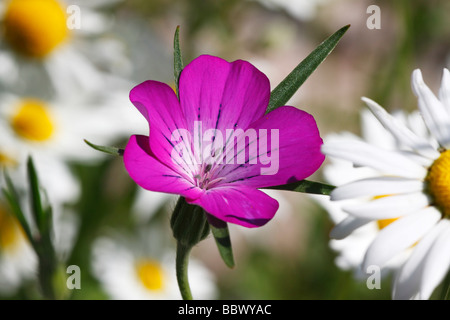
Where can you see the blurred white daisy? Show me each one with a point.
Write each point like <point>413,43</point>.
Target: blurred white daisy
<point>57,128</point>
<point>147,204</point>
<point>143,268</point>
<point>57,41</point>
<point>412,186</point>
<point>18,261</point>
<point>299,9</point>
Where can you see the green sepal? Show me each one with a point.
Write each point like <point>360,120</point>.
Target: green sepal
<point>306,186</point>
<point>221,234</point>
<point>110,150</point>
<point>294,80</point>
<point>188,223</point>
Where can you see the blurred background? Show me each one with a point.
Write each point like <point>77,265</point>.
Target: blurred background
<point>81,74</point>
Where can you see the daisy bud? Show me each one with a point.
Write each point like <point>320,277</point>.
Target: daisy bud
<point>188,223</point>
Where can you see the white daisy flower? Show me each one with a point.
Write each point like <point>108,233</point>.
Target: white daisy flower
<point>56,41</point>
<point>411,186</point>
<point>57,128</point>
<point>299,9</point>
<point>144,269</point>
<point>352,235</point>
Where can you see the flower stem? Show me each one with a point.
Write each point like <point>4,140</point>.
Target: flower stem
<point>182,261</point>
<point>445,293</point>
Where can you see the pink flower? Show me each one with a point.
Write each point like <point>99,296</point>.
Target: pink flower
<point>215,145</point>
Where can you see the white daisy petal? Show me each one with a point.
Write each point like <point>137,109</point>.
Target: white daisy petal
<point>400,235</point>
<point>385,161</point>
<point>374,132</point>
<point>437,263</point>
<point>379,186</point>
<point>389,207</point>
<point>346,227</point>
<point>444,91</point>
<point>407,280</point>
<point>433,111</point>
<point>417,158</point>
<point>401,132</point>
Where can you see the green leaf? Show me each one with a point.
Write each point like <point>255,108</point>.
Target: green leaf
<point>110,150</point>
<point>287,88</point>
<point>40,215</point>
<point>177,59</point>
<point>306,186</point>
<point>221,234</point>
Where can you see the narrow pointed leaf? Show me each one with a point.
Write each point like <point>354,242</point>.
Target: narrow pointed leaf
<point>12,197</point>
<point>110,150</point>
<point>177,59</point>
<point>221,234</point>
<point>36,203</point>
<point>306,186</point>
<point>287,88</point>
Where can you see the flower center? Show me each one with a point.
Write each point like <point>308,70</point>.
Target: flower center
<point>32,121</point>
<point>9,230</point>
<point>205,178</point>
<point>151,274</point>
<point>35,27</point>
<point>438,179</point>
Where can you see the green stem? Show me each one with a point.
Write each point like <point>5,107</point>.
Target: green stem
<point>445,293</point>
<point>182,261</point>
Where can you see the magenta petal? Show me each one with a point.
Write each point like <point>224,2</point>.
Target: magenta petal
<point>240,205</point>
<point>158,103</point>
<point>151,174</point>
<point>295,156</point>
<point>222,95</point>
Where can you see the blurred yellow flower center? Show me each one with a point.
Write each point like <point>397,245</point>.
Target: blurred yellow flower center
<point>439,182</point>
<point>385,222</point>
<point>6,160</point>
<point>35,27</point>
<point>9,230</point>
<point>32,121</point>
<point>151,274</point>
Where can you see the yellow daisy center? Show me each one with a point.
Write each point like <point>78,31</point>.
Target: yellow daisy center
<point>35,27</point>
<point>438,180</point>
<point>6,160</point>
<point>9,230</point>
<point>151,274</point>
<point>32,121</point>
